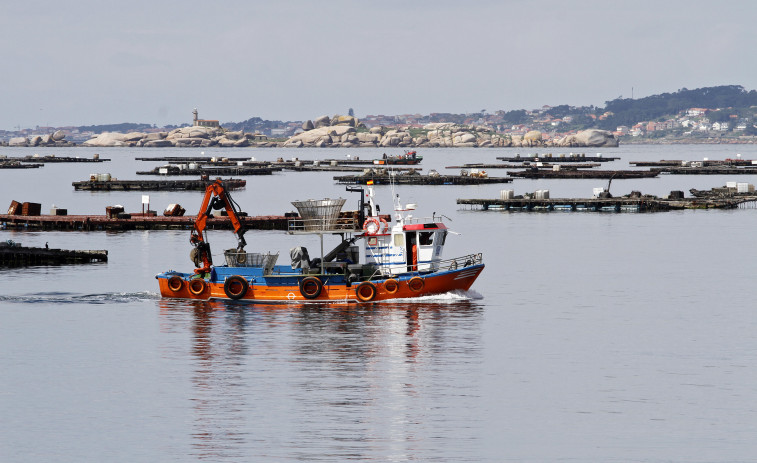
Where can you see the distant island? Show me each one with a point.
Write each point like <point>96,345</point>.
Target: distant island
<point>723,114</point>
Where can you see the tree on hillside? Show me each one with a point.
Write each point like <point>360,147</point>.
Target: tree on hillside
<point>627,111</point>
<point>515,117</point>
<point>722,115</point>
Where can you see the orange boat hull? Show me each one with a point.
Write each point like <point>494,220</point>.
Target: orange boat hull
<point>436,283</point>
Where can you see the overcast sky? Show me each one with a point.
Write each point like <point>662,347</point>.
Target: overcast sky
<point>104,62</point>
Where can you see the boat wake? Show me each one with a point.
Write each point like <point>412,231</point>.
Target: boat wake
<point>78,298</point>
<point>451,297</point>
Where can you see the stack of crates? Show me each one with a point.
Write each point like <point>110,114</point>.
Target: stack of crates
<point>31,209</point>
<point>506,194</point>
<point>744,188</point>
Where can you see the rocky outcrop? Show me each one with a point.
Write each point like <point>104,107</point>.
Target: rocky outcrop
<point>591,138</point>
<point>344,120</point>
<point>182,137</point>
<point>157,143</point>
<point>107,139</point>
<point>58,138</point>
<point>336,131</point>
<point>449,135</point>
<point>323,121</point>
<point>333,131</point>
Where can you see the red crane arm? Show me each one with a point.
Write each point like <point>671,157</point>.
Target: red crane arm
<point>216,197</point>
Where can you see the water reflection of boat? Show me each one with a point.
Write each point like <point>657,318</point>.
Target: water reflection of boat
<point>397,262</point>
<point>317,364</point>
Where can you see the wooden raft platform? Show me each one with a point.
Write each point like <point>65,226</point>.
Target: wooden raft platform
<point>548,158</point>
<point>525,165</point>
<point>418,180</point>
<point>154,185</point>
<point>102,222</point>
<point>211,171</point>
<point>338,168</point>
<point>680,163</point>
<point>706,170</point>
<point>199,159</point>
<point>53,159</point>
<point>18,165</point>
<point>621,204</point>
<point>20,256</point>
<point>569,173</point>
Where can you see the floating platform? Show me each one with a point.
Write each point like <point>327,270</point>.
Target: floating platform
<point>570,173</point>
<point>704,163</point>
<point>53,159</point>
<point>198,159</point>
<point>338,168</point>
<point>621,204</point>
<point>525,165</point>
<point>713,170</point>
<point>355,161</point>
<point>550,158</point>
<point>409,158</point>
<point>18,165</point>
<point>134,222</point>
<point>741,190</point>
<point>210,171</point>
<point>418,179</point>
<point>334,165</point>
<point>13,255</point>
<point>154,185</point>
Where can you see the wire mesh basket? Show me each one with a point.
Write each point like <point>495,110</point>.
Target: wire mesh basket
<point>319,214</point>
<point>266,261</point>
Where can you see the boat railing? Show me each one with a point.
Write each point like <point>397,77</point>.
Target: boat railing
<point>460,262</point>
<point>265,261</point>
<point>323,225</point>
<point>414,220</point>
<point>435,266</point>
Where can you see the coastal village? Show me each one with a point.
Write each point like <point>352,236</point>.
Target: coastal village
<point>724,114</point>
<point>543,127</point>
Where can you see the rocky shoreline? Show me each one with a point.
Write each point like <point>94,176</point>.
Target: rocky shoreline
<point>56,139</point>
<point>334,132</point>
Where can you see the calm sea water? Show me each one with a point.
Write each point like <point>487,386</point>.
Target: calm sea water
<point>589,337</point>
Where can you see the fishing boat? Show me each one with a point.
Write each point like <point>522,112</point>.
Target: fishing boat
<point>406,159</point>
<point>403,260</point>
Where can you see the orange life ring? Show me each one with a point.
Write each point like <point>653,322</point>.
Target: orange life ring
<point>367,226</point>
<point>416,284</point>
<point>175,283</point>
<point>310,287</point>
<point>385,225</point>
<point>197,286</point>
<point>391,286</point>
<point>365,291</point>
<point>235,287</point>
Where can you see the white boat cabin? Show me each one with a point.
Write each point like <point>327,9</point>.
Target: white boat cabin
<point>408,246</point>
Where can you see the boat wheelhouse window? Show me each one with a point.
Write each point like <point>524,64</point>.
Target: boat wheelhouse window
<point>372,241</point>
<point>426,238</point>
<point>399,240</point>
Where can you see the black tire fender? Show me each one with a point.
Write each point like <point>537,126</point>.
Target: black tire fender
<point>235,287</point>
<point>310,287</point>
